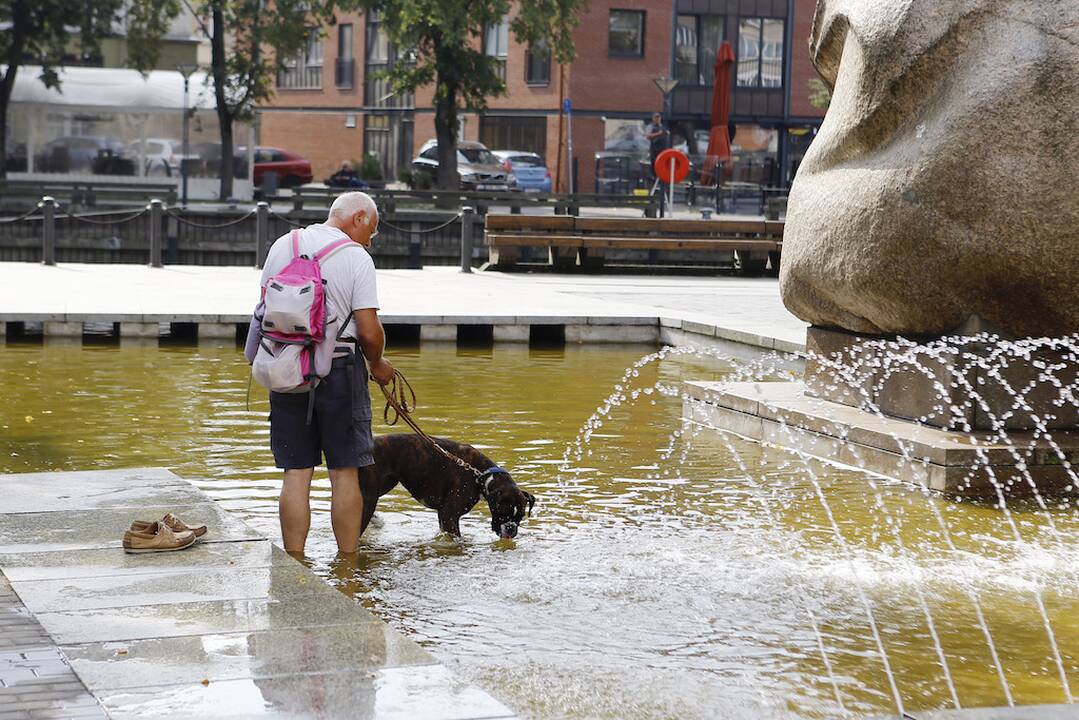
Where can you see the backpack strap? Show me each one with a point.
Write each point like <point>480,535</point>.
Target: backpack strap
<point>331,249</point>
<point>295,243</point>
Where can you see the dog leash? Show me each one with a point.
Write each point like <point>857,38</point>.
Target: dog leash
<point>400,402</point>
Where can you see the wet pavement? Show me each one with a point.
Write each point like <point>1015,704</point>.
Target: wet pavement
<point>232,627</point>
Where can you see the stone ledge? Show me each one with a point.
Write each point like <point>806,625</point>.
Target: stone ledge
<point>949,462</point>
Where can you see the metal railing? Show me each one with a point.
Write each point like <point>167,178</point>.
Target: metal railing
<point>158,235</point>
<point>300,77</point>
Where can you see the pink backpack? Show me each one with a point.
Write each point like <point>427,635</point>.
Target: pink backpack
<point>293,324</point>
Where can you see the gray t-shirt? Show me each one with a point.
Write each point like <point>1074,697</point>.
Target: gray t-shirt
<point>349,272</point>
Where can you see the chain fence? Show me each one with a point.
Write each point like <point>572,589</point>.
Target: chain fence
<point>160,235</point>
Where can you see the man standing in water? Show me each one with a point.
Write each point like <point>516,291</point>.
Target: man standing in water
<point>340,427</point>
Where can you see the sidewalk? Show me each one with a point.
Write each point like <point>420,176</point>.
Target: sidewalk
<point>232,627</point>
<point>746,311</point>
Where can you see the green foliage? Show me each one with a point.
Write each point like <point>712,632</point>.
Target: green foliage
<point>38,32</point>
<point>820,95</point>
<point>415,179</point>
<point>371,169</point>
<point>444,40</point>
<point>250,41</point>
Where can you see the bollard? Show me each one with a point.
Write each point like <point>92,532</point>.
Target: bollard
<point>262,232</point>
<point>415,247</point>
<point>467,214</point>
<point>48,230</point>
<point>157,227</point>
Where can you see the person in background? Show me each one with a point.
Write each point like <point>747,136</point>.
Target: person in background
<point>659,139</point>
<point>346,177</point>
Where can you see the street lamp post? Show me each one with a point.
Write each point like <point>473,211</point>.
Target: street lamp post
<point>186,70</point>
<point>666,86</point>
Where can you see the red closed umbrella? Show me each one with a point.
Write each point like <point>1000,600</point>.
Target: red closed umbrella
<point>719,140</point>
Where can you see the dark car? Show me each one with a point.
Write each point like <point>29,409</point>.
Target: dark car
<point>291,169</point>
<point>208,163</point>
<point>76,153</point>
<point>477,167</point>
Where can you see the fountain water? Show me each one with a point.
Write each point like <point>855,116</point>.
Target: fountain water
<point>862,374</point>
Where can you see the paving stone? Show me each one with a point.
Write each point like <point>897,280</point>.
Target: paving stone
<point>34,492</point>
<point>285,578</point>
<point>201,618</point>
<point>51,531</point>
<point>430,692</point>
<point>22,567</point>
<point>266,635</point>
<point>159,661</point>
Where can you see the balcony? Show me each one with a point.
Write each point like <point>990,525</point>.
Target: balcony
<point>344,73</point>
<point>305,77</point>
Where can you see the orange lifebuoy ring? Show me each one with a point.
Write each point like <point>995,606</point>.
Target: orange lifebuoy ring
<point>664,164</point>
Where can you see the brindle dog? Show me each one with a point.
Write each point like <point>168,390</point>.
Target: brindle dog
<point>441,485</point>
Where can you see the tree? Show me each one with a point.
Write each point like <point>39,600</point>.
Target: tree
<point>40,33</point>
<point>250,42</point>
<point>444,38</point>
<point>820,94</point>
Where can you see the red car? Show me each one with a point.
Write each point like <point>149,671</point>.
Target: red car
<point>291,169</point>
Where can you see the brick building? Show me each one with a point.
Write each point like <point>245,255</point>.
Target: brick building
<point>329,106</point>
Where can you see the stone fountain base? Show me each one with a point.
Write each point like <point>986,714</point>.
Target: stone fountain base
<point>783,414</point>
<point>959,416</point>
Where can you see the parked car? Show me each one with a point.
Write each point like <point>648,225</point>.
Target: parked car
<point>161,156</point>
<point>529,169</point>
<point>75,153</point>
<point>291,169</point>
<point>208,163</point>
<point>477,167</point>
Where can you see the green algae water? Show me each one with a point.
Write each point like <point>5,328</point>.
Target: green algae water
<point>669,572</point>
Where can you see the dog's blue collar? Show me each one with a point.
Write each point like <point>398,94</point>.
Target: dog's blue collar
<point>490,471</point>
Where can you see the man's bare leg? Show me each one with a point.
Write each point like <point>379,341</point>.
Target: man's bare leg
<point>346,508</point>
<point>294,508</point>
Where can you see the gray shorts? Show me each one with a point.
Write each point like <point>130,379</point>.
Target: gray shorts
<point>340,425</point>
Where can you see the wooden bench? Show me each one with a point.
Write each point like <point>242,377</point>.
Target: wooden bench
<point>24,194</point>
<point>588,242</point>
<point>561,204</point>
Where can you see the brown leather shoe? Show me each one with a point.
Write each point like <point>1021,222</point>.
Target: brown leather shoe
<point>175,523</point>
<point>158,537</point>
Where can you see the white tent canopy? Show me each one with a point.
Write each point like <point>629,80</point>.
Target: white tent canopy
<point>114,89</point>
<point>121,124</point>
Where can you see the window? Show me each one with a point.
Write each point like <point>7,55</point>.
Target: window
<point>527,134</point>
<point>377,57</point>
<point>378,44</point>
<point>697,40</point>
<point>345,66</point>
<point>538,64</point>
<point>496,40</point>
<point>685,50</point>
<point>760,52</point>
<point>625,33</point>
<point>377,140</point>
<point>304,70</point>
